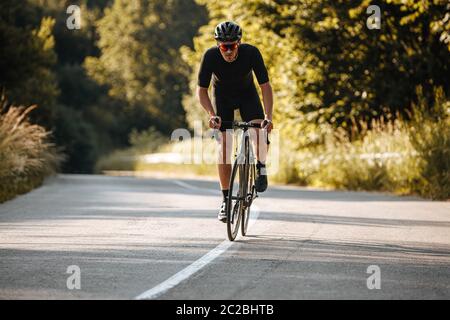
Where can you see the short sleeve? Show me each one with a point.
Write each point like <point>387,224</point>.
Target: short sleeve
<point>259,67</point>
<point>205,73</point>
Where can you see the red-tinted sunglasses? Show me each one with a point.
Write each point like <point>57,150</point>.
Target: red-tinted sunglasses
<point>225,47</point>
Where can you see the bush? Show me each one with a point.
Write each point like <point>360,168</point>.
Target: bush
<point>147,141</point>
<point>26,155</point>
<point>430,136</point>
<point>432,143</point>
<point>78,140</point>
<point>118,160</point>
<point>141,143</point>
<point>403,157</point>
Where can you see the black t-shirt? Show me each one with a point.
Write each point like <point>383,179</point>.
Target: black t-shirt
<point>232,77</point>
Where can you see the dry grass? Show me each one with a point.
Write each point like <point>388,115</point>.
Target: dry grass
<point>26,155</point>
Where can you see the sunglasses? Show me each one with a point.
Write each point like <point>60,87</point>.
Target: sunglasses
<point>225,47</point>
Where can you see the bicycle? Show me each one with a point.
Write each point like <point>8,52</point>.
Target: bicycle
<point>242,189</point>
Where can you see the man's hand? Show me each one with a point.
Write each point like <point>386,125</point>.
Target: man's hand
<point>215,122</point>
<point>267,124</point>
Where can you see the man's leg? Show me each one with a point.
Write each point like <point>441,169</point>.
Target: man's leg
<point>224,168</point>
<point>258,138</point>
<point>224,159</point>
<point>251,110</point>
<point>225,111</point>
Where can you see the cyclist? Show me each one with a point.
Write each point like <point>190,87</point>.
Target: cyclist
<point>230,64</point>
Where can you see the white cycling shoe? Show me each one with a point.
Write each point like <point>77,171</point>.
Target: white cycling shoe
<point>222,216</point>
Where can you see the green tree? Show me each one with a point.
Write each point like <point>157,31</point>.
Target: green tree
<point>41,64</point>
<point>27,59</point>
<point>328,69</point>
<point>140,60</point>
<point>83,124</point>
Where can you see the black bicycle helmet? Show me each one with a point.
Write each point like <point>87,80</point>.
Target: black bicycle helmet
<point>227,31</point>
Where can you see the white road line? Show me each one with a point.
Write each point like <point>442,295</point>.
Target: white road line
<point>184,274</point>
<point>173,281</point>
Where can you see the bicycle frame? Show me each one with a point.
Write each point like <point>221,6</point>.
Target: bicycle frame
<point>240,155</point>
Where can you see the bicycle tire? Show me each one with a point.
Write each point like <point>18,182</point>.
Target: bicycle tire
<point>246,213</point>
<point>234,209</point>
<point>248,186</point>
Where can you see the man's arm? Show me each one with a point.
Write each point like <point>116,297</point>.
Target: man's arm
<point>263,79</point>
<point>205,101</point>
<point>267,95</point>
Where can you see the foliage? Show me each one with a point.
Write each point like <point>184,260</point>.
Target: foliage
<point>328,69</point>
<point>147,141</point>
<point>26,155</point>
<point>406,157</point>
<point>27,58</point>
<point>342,90</point>
<point>139,42</point>
<point>77,139</point>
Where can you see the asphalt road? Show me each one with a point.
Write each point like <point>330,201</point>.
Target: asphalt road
<point>129,235</point>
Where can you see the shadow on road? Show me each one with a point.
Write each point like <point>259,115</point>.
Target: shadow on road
<point>109,212</point>
<point>346,248</point>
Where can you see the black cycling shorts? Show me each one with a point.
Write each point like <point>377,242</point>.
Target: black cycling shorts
<point>248,102</point>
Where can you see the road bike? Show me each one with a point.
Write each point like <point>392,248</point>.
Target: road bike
<point>242,189</point>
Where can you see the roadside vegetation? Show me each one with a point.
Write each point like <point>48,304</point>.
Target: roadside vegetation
<point>403,157</point>
<point>358,108</point>
<point>27,156</point>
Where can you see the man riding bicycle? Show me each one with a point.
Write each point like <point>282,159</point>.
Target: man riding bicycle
<point>230,64</point>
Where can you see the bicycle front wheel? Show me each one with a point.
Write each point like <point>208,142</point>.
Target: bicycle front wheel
<point>235,201</point>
